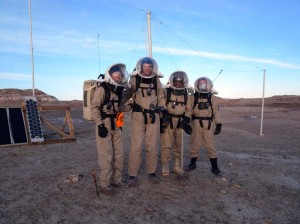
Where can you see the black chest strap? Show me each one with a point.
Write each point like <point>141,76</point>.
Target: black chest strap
<point>176,92</point>
<point>140,79</point>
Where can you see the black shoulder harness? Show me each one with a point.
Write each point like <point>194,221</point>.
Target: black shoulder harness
<point>178,93</point>
<point>140,79</point>
<point>107,88</point>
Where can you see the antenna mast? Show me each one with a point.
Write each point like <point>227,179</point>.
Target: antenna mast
<point>218,75</point>
<point>31,47</point>
<point>99,54</point>
<point>149,34</point>
<point>262,104</point>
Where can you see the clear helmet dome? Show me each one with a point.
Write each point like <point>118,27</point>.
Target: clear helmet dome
<point>116,74</point>
<point>146,67</point>
<point>203,85</point>
<point>178,80</point>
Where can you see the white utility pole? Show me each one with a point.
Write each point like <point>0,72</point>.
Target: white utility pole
<point>99,54</point>
<point>149,34</point>
<point>31,48</point>
<point>262,105</point>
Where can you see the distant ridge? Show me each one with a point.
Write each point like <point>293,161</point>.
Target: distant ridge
<point>288,101</point>
<point>12,97</point>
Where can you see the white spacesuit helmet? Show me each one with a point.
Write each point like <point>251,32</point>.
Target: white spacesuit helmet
<point>144,65</point>
<point>203,85</point>
<point>116,72</point>
<point>178,76</point>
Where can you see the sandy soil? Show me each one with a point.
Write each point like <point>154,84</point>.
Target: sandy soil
<point>260,180</point>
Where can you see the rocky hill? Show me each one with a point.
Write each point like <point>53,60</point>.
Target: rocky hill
<point>289,101</point>
<point>13,97</point>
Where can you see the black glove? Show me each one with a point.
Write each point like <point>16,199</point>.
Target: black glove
<point>162,129</point>
<point>188,129</point>
<point>165,120</point>
<point>102,131</point>
<point>184,124</point>
<point>218,129</point>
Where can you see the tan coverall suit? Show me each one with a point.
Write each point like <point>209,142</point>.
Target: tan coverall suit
<point>173,135</point>
<point>141,130</point>
<point>110,148</point>
<point>201,136</point>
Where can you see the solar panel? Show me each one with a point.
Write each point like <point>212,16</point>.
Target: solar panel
<point>33,118</point>
<point>4,127</point>
<point>12,126</point>
<point>17,125</point>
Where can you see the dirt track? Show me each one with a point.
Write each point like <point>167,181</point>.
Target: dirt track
<point>260,180</point>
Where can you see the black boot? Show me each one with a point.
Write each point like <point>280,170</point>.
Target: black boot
<point>192,165</point>
<point>214,166</point>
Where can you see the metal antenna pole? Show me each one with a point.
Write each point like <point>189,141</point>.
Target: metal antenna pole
<point>149,34</point>
<point>99,54</point>
<point>218,75</point>
<point>31,48</point>
<point>262,105</point>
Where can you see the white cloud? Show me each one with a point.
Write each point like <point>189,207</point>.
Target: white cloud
<point>14,76</point>
<point>230,57</point>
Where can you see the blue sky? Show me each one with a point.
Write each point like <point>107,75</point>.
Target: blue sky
<point>76,40</point>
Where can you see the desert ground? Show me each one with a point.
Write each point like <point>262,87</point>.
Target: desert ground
<point>260,181</point>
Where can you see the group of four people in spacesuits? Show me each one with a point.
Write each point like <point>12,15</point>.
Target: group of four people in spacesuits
<point>168,110</point>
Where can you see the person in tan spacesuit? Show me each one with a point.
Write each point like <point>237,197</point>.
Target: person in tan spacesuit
<point>147,96</point>
<point>177,102</point>
<point>104,110</point>
<point>206,123</point>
